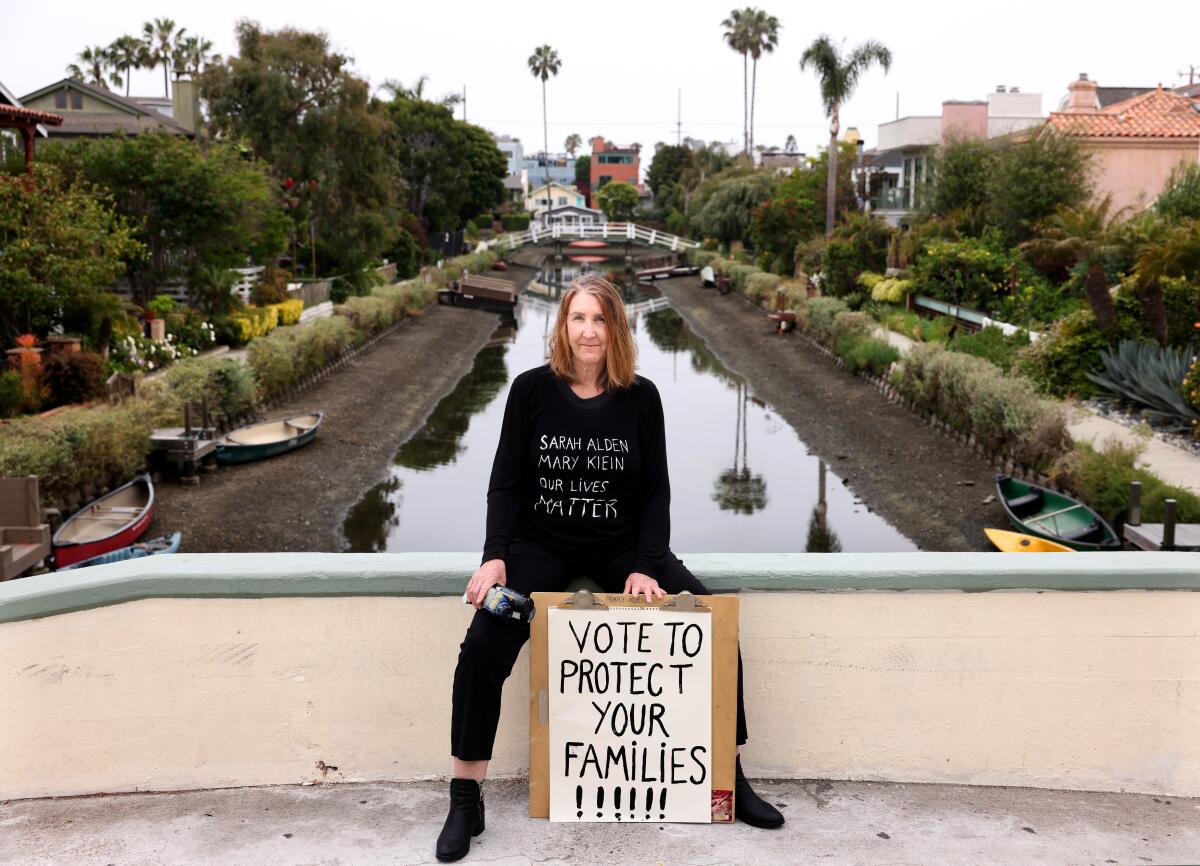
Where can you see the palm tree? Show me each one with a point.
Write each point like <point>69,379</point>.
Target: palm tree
<point>161,40</point>
<point>737,37</point>
<point>573,143</point>
<point>1085,235</point>
<point>192,54</point>
<point>762,31</point>
<point>1173,253</point>
<point>543,63</point>
<point>839,76</point>
<point>127,53</point>
<point>94,69</point>
<point>399,90</point>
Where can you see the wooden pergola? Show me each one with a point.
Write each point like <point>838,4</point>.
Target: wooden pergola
<point>27,120</point>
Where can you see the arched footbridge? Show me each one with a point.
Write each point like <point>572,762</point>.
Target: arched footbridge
<point>627,233</point>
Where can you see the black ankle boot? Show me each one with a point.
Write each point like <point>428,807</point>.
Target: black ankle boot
<point>464,821</point>
<point>750,807</point>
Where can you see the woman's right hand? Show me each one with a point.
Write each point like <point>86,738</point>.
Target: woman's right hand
<point>485,577</point>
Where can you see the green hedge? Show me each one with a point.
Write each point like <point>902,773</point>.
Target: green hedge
<point>973,395</point>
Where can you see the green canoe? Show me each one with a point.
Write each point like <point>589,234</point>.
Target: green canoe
<point>1054,516</point>
<point>268,438</point>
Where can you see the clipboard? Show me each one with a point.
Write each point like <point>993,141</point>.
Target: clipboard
<point>724,610</point>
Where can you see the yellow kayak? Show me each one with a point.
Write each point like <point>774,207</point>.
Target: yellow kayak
<point>1015,542</point>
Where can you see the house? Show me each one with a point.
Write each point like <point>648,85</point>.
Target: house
<point>552,195</point>
<point>572,215</point>
<point>90,111</point>
<point>780,162</point>
<point>27,123</point>
<point>552,168</point>
<point>612,163</point>
<point>904,145</point>
<point>516,187</point>
<point>1135,142</point>
<point>513,152</point>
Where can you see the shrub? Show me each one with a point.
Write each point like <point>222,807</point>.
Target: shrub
<point>271,287</point>
<point>857,324</point>
<point>840,268</point>
<point>864,352</point>
<point>992,344</point>
<point>761,286</point>
<point>740,274</point>
<point>369,315</point>
<point>289,311</point>
<point>1036,302</point>
<point>161,305</point>
<point>1101,478</point>
<point>229,385</point>
<point>820,316</point>
<point>700,257</point>
<point>514,222</point>
<point>973,271</point>
<point>973,395</point>
<point>407,298</point>
<point>1059,362</point>
<point>75,378</point>
<point>10,393</point>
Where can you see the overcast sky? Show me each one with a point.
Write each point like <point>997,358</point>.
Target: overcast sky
<point>623,63</point>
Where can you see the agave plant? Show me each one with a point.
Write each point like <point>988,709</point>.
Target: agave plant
<point>1145,375</point>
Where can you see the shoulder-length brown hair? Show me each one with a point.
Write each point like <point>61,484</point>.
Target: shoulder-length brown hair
<point>620,354</point>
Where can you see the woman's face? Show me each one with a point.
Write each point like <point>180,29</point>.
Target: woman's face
<point>587,331</point>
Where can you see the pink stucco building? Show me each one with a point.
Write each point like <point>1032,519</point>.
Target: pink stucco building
<point>1135,142</point>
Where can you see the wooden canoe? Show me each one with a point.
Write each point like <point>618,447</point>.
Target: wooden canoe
<point>1016,542</point>
<point>111,522</point>
<point>1045,513</point>
<point>268,438</point>
<point>152,547</point>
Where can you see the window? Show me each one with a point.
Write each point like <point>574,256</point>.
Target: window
<point>60,99</point>
<point>604,178</point>
<point>562,200</point>
<point>76,100</point>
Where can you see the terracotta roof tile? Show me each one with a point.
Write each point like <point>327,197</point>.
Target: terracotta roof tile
<point>20,113</point>
<point>1156,114</point>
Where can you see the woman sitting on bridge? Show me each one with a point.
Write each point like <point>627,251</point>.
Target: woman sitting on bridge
<point>588,390</point>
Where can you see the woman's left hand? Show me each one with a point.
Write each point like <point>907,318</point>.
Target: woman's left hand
<point>638,583</point>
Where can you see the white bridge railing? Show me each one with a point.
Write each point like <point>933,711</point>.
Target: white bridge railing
<point>630,232</point>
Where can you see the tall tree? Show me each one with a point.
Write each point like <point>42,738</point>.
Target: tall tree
<point>398,90</point>
<point>127,53</point>
<point>573,143</point>
<point>162,39</point>
<point>737,37</point>
<point>839,76</point>
<point>93,67</point>
<point>762,35</point>
<point>543,63</point>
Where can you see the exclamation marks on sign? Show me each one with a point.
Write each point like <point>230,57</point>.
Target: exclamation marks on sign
<point>649,802</point>
<point>579,801</point>
<point>662,804</point>
<point>632,802</point>
<point>617,802</point>
<point>599,802</point>
<point>618,794</point>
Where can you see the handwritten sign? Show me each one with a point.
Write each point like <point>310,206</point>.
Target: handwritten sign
<point>630,715</point>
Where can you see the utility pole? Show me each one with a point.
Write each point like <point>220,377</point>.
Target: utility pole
<point>679,117</point>
<point>1191,74</point>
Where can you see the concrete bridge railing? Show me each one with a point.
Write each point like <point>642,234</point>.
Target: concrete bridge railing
<point>1077,671</point>
<point>615,232</point>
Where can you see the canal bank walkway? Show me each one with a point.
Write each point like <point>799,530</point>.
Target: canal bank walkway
<point>836,823</point>
<point>1169,462</point>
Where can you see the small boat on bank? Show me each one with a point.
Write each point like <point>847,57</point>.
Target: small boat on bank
<point>268,438</point>
<point>1017,542</point>
<point>153,547</point>
<point>1054,516</point>
<point>485,293</point>
<point>111,522</point>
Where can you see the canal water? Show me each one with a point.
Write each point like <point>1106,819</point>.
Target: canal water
<point>741,479</point>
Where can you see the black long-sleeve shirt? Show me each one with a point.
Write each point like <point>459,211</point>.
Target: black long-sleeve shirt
<point>580,475</point>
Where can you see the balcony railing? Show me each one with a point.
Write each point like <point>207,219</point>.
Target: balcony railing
<point>897,198</point>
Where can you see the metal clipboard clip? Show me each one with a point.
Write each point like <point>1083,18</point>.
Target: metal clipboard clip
<point>685,602</point>
<point>582,599</point>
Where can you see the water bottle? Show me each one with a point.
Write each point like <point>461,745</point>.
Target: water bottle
<point>506,603</point>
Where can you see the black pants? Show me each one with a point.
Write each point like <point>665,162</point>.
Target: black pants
<point>487,654</point>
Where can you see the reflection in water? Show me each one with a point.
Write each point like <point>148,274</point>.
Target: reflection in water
<point>737,489</point>
<point>669,332</point>
<point>370,522</point>
<point>439,440</point>
<point>821,537</point>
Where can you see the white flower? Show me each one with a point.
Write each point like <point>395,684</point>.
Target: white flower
<point>150,364</point>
